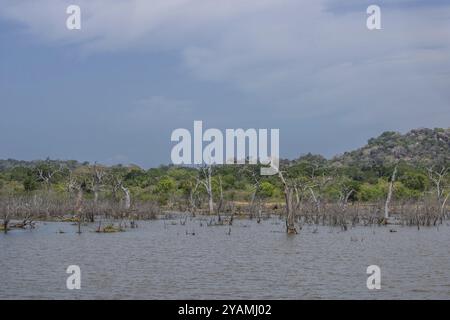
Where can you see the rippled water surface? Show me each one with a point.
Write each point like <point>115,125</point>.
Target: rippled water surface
<point>158,260</point>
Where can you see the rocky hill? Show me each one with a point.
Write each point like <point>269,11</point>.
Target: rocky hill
<point>422,147</point>
<point>418,147</point>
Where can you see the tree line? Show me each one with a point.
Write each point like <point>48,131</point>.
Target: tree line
<point>308,190</point>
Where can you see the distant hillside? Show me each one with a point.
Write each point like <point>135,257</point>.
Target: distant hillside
<point>11,163</point>
<point>418,147</point>
<point>423,147</point>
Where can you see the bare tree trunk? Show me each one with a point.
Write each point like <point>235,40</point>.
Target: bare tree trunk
<point>443,210</point>
<point>344,199</point>
<point>258,218</point>
<point>252,201</point>
<point>210,194</point>
<point>95,196</point>
<point>127,198</point>
<point>438,179</point>
<point>315,199</point>
<point>207,183</point>
<point>98,176</point>
<point>79,207</point>
<point>192,205</point>
<point>290,216</point>
<point>5,225</point>
<point>233,211</point>
<point>389,196</point>
<point>219,206</point>
<point>210,203</point>
<point>297,200</point>
<point>290,219</point>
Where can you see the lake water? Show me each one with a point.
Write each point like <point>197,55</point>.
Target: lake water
<point>158,260</point>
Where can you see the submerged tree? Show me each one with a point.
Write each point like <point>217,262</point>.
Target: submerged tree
<point>389,195</point>
<point>290,214</point>
<point>77,185</point>
<point>99,174</point>
<point>6,214</point>
<point>206,181</point>
<point>438,178</point>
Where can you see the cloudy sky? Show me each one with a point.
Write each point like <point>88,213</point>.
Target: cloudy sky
<point>138,69</point>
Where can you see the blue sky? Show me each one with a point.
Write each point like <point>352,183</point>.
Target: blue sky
<point>114,90</point>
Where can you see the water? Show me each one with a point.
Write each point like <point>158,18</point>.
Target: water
<point>159,260</point>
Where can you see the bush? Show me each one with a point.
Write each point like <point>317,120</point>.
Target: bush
<point>30,184</point>
<point>267,189</point>
<point>370,192</point>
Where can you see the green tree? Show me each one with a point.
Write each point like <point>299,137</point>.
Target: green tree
<point>30,184</point>
<point>266,189</point>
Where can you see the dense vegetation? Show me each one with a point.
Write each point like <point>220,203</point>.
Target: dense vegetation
<point>358,182</point>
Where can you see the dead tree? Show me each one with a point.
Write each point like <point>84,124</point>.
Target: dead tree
<point>438,179</point>
<point>389,195</point>
<point>345,190</point>
<point>300,188</point>
<point>290,215</point>
<point>192,192</point>
<point>127,202</point>
<point>345,193</point>
<point>46,174</point>
<point>6,216</point>
<point>220,204</point>
<point>316,191</point>
<point>98,175</point>
<point>119,185</point>
<point>316,187</point>
<point>206,181</point>
<point>256,186</point>
<point>75,185</point>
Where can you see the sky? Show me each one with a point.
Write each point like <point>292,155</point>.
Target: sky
<point>114,91</point>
